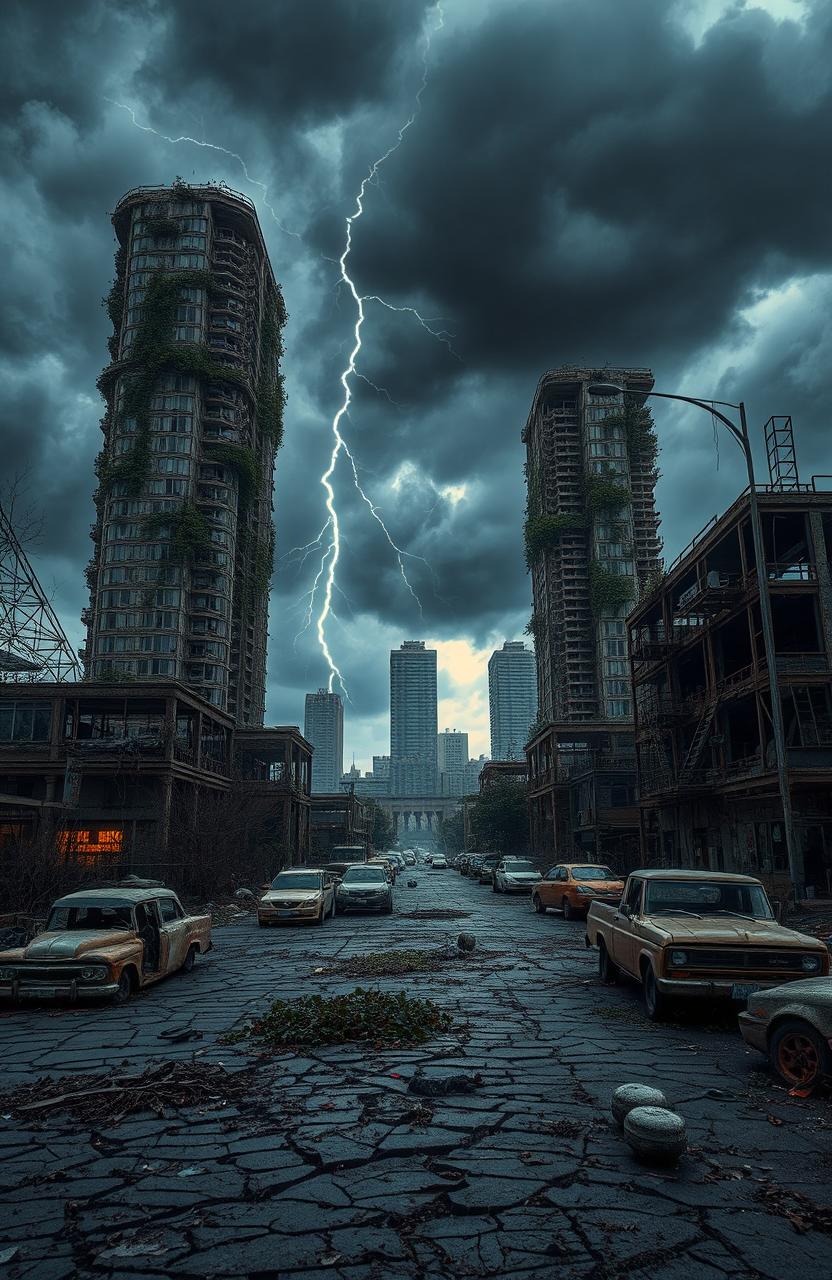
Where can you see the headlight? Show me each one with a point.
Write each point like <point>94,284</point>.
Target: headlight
<point>97,974</point>
<point>810,964</point>
<point>8,975</point>
<point>679,957</point>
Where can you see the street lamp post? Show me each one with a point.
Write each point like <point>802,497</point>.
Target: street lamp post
<point>740,434</point>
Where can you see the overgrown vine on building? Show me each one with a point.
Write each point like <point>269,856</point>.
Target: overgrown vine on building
<point>639,430</point>
<point>271,393</point>
<point>603,493</point>
<point>241,458</point>
<point>543,533</point>
<point>190,531</point>
<point>608,592</point>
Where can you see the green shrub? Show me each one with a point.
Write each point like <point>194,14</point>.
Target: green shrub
<point>376,1016</point>
<point>605,494</point>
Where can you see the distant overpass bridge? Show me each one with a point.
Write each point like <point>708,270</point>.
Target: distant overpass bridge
<point>418,813</point>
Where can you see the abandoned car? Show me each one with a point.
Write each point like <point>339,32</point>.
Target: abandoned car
<point>105,943</point>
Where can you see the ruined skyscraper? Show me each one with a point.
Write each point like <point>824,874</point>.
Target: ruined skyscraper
<point>184,541</point>
<point>324,728</point>
<point>591,544</point>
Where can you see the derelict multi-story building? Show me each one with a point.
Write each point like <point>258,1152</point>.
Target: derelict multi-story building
<point>512,699</point>
<point>184,540</point>
<point>591,544</point>
<point>452,761</point>
<point>324,728</point>
<point>413,716</point>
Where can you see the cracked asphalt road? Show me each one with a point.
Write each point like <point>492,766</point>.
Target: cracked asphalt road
<point>333,1170</point>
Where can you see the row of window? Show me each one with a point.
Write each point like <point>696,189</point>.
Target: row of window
<point>207,649</point>
<point>25,721</point>
<point>618,708</point>
<point>126,597</point>
<point>165,575</point>
<point>138,667</point>
<point>161,619</point>
<point>167,261</point>
<point>184,240</point>
<point>137,644</point>
<point>205,671</point>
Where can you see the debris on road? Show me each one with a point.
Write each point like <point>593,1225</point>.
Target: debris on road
<point>390,964</point>
<point>108,1099</point>
<point>439,1086</point>
<point>384,1019</point>
<point>434,913</point>
<point>466,942</point>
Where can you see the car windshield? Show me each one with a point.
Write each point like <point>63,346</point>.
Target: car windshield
<point>364,874</point>
<point>90,917</point>
<point>297,880</point>
<point>707,898</point>
<point>518,864</point>
<point>593,873</point>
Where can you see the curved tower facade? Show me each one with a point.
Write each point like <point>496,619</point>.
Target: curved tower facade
<point>184,540</point>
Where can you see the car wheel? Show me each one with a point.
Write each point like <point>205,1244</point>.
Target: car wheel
<point>538,904</point>
<point>568,910</point>
<point>125,987</point>
<point>607,971</point>
<point>799,1054</point>
<point>655,1002</point>
<point>190,959</point>
<point>494,888</point>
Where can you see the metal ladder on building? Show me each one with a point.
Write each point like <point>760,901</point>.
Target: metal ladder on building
<point>697,743</point>
<point>804,710</point>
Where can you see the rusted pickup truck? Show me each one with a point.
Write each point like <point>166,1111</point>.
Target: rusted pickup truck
<point>698,934</point>
<point>105,943</point>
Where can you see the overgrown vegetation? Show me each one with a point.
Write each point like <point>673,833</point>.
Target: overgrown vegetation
<point>263,565</point>
<point>603,493</point>
<point>271,394</point>
<point>498,818</point>
<point>542,533</point>
<point>243,461</point>
<point>381,831</point>
<point>189,531</point>
<point>651,583</point>
<point>379,1017</point>
<point>535,627</point>
<point>161,226</point>
<point>639,430</point>
<point>608,592</point>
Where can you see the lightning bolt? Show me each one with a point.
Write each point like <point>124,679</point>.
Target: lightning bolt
<point>209,146</point>
<point>331,557</point>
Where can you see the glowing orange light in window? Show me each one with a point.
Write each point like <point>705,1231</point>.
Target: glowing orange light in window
<point>92,846</point>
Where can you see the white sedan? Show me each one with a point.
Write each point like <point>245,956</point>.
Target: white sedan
<point>438,863</point>
<point>514,875</point>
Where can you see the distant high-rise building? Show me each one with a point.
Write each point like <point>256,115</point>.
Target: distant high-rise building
<point>473,770</point>
<point>324,728</point>
<point>413,720</point>
<point>451,760</point>
<point>180,574</point>
<point>381,766</point>
<point>512,699</point>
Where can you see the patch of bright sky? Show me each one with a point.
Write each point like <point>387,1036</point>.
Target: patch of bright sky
<point>698,16</point>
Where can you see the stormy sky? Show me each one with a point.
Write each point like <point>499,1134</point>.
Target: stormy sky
<point>604,181</point>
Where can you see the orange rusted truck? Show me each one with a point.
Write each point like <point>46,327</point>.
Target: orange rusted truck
<point>105,944</point>
<point>698,934</point>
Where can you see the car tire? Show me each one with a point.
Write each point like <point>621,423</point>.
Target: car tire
<point>568,909</point>
<point>125,987</point>
<point>656,1003</point>
<point>388,910</point>
<point>319,919</point>
<point>799,1054</point>
<point>494,888</point>
<point>607,970</point>
<point>190,959</point>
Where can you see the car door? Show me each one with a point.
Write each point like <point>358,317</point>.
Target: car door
<point>329,895</point>
<point>624,927</point>
<point>172,935</point>
<point>547,887</point>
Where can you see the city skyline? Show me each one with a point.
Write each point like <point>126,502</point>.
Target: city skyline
<point>106,106</point>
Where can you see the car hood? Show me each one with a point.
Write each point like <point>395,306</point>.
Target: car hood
<point>815,991</point>
<point>291,895</point>
<point>68,944</point>
<point>712,930</point>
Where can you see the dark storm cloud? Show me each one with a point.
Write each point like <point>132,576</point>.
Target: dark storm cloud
<point>283,63</point>
<point>584,182</point>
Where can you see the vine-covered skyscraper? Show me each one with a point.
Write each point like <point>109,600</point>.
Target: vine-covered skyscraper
<point>592,542</point>
<point>184,540</point>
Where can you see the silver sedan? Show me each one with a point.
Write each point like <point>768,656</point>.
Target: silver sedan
<point>792,1025</point>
